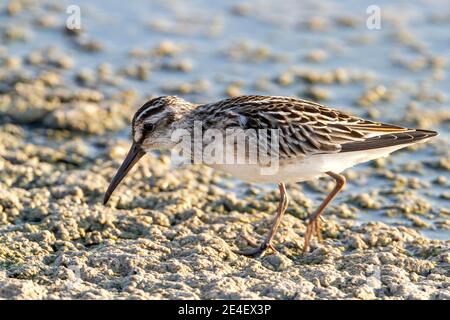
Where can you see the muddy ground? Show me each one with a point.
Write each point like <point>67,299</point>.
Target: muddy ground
<point>66,100</point>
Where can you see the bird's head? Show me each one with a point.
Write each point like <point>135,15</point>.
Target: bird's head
<point>152,127</point>
<point>153,123</point>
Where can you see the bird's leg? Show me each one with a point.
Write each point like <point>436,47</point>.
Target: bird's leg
<point>282,206</point>
<point>313,219</point>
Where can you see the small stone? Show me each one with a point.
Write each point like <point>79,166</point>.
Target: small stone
<point>233,90</point>
<point>316,55</point>
<point>276,262</point>
<point>316,23</point>
<point>166,48</point>
<point>317,94</point>
<point>285,79</point>
<point>357,242</point>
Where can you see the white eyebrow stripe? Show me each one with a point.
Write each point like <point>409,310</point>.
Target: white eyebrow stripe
<point>150,110</point>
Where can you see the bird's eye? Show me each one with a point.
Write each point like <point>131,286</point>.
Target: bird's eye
<point>149,127</point>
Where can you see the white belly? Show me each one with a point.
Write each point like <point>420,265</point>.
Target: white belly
<point>303,169</point>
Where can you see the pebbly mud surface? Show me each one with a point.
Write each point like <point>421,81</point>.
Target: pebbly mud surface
<point>66,101</point>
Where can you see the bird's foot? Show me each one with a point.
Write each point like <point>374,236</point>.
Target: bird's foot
<point>256,251</point>
<point>312,227</point>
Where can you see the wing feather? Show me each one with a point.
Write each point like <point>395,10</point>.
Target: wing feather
<point>306,127</point>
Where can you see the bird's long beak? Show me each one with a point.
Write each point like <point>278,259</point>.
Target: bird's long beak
<point>133,156</point>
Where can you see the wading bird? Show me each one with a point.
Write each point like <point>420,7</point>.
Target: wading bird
<point>313,141</point>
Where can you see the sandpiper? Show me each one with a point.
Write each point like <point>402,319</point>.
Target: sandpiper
<point>313,141</point>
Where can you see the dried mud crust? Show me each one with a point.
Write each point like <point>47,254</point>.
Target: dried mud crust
<point>172,233</point>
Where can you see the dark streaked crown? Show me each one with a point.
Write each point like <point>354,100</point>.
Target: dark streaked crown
<point>151,107</point>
